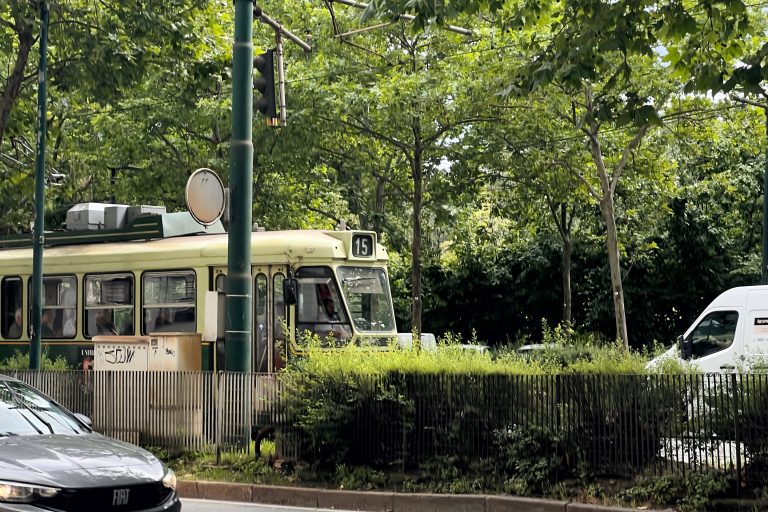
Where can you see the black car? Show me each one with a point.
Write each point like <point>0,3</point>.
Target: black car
<point>50,459</point>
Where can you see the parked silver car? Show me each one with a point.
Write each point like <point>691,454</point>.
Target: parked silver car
<point>50,459</point>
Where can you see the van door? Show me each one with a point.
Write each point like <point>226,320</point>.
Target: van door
<point>755,353</point>
<point>717,339</point>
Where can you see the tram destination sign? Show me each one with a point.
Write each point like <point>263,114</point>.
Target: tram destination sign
<point>363,246</point>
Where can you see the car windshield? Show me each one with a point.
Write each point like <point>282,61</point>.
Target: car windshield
<point>24,412</point>
<point>367,293</point>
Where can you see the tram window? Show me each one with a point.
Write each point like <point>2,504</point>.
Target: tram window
<point>319,307</point>
<point>260,305</point>
<point>221,283</point>
<point>108,304</point>
<point>59,316</point>
<point>278,302</point>
<point>168,302</point>
<point>366,291</point>
<point>10,296</point>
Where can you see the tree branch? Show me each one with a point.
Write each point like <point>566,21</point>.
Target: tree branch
<point>179,156</point>
<point>747,101</point>
<point>447,127</point>
<point>592,191</point>
<point>8,24</point>
<point>625,156</point>
<point>373,133</point>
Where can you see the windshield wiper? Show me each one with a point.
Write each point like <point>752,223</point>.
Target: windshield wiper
<point>355,279</point>
<point>21,402</point>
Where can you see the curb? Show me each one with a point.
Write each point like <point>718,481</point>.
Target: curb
<point>371,501</point>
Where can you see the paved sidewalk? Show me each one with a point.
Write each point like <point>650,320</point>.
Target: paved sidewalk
<point>379,501</point>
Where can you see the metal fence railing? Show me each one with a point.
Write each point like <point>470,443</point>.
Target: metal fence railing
<point>613,424</point>
<point>175,411</point>
<point>616,424</point>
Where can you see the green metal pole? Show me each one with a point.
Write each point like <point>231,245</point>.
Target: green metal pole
<point>238,343</point>
<point>35,349</point>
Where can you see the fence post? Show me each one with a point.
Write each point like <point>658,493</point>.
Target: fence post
<point>404,420</point>
<point>217,416</point>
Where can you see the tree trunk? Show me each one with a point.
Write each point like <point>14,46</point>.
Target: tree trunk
<point>13,85</point>
<point>378,211</point>
<point>418,199</point>
<point>607,187</point>
<point>567,250</point>
<point>612,239</point>
<point>559,213</point>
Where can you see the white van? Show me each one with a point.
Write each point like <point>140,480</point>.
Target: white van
<point>731,333</point>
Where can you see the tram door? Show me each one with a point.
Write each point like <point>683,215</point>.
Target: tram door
<point>269,318</point>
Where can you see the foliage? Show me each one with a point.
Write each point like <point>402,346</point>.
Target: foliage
<point>530,458</point>
<point>359,478</point>
<point>141,97</point>
<point>238,468</point>
<point>20,361</point>
<point>691,492</point>
<point>403,407</point>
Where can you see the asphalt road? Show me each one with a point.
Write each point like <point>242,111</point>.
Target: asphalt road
<point>188,505</point>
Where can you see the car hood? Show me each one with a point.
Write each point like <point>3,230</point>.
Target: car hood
<point>73,461</point>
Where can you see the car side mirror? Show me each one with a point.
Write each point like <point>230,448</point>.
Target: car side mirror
<point>290,291</point>
<point>686,350</point>
<point>85,420</point>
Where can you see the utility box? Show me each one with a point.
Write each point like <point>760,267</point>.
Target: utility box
<point>175,352</point>
<point>120,353</point>
<point>155,383</point>
<point>114,216</point>
<point>120,384</point>
<point>175,405</point>
<point>137,211</point>
<point>86,216</point>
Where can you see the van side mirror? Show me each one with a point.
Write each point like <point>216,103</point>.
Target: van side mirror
<point>290,291</point>
<point>686,350</point>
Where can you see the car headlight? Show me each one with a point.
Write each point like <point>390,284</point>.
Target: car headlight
<point>14,492</point>
<point>169,480</point>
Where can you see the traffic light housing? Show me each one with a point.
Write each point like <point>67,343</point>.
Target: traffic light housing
<point>264,82</point>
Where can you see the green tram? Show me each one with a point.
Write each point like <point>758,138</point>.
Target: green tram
<point>166,273</point>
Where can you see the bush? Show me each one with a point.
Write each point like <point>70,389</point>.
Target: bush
<point>691,492</point>
<point>408,407</point>
<point>530,458</point>
<point>20,361</point>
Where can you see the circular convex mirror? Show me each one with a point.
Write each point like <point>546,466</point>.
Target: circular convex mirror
<point>205,196</point>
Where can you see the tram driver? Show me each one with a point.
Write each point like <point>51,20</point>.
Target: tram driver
<point>333,326</point>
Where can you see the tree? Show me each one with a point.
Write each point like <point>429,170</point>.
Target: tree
<point>410,107</point>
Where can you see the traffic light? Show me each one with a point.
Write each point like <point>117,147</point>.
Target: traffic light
<point>264,82</point>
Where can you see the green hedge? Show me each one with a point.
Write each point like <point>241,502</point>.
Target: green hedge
<point>406,408</point>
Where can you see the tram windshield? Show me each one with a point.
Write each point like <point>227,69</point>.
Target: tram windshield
<point>368,298</point>
<point>320,309</point>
